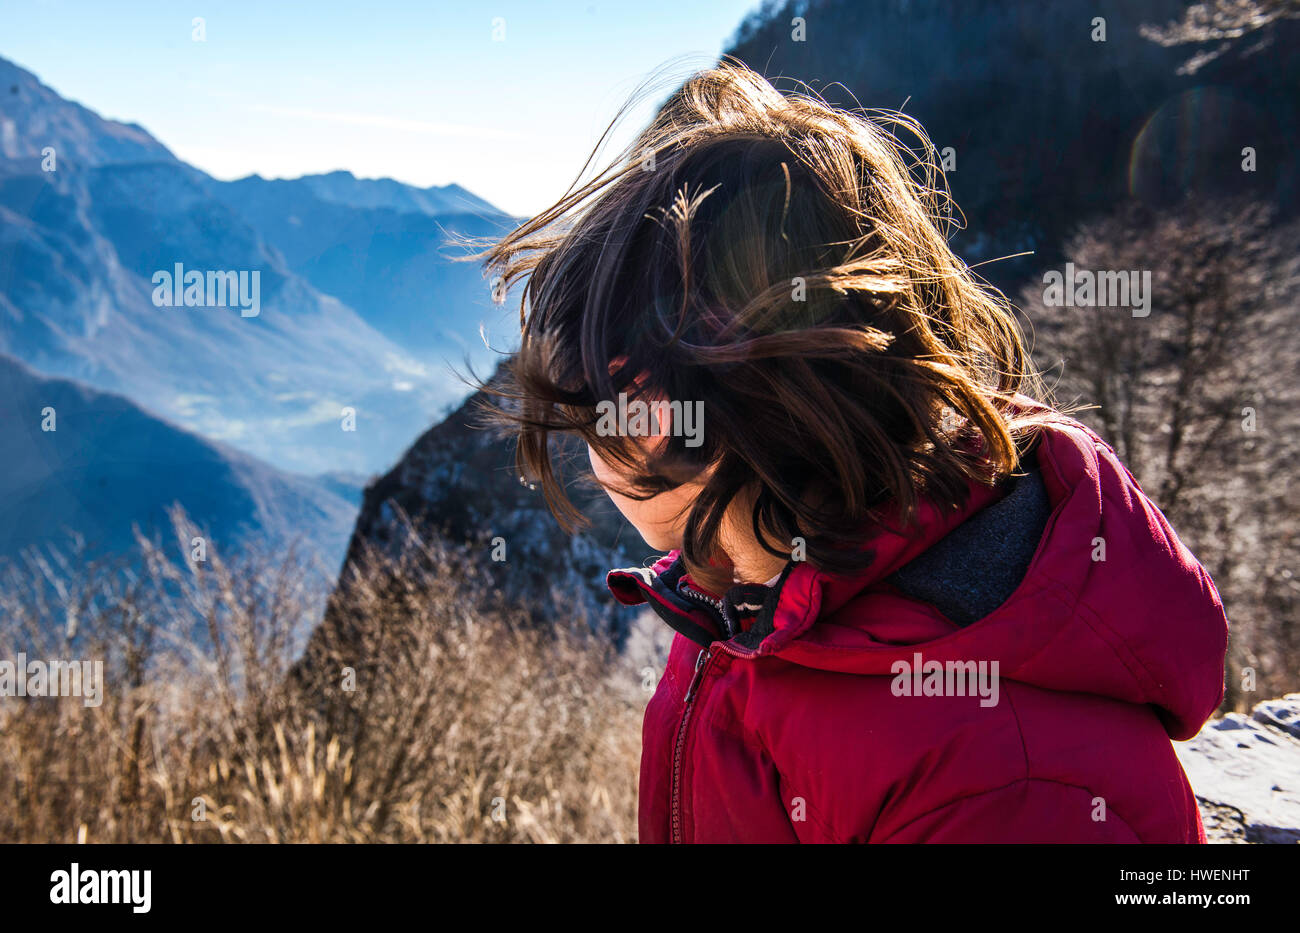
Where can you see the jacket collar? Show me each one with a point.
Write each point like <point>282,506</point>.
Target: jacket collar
<point>802,594</point>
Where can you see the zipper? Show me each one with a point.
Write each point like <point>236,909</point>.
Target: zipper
<point>687,590</point>
<point>716,608</point>
<point>724,624</point>
<point>701,661</point>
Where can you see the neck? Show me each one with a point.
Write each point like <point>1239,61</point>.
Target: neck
<point>750,561</point>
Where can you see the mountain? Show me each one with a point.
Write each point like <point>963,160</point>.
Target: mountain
<point>32,116</point>
<point>345,188</point>
<point>359,307</point>
<point>78,251</point>
<point>458,480</point>
<point>87,463</point>
<point>386,251</point>
<point>1055,112</point>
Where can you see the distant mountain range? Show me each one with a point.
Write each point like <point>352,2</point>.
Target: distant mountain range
<point>361,306</point>
<point>89,465</point>
<point>360,309</point>
<point>346,189</point>
<point>383,249</point>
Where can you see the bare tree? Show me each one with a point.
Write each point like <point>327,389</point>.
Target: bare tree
<point>1222,22</point>
<point>1221,19</point>
<point>1197,392</point>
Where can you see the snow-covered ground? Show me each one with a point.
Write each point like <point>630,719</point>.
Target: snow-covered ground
<point>1245,771</point>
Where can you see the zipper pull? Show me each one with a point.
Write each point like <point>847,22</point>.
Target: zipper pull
<point>701,659</point>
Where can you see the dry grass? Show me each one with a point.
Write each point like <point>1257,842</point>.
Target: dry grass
<point>433,719</point>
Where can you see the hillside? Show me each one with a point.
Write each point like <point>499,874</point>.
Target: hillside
<point>109,467</point>
<point>1038,146</point>
<point>458,481</point>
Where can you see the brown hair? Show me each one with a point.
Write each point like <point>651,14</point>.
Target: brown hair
<point>786,263</point>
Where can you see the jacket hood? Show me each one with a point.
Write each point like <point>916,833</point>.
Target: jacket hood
<point>1112,604</point>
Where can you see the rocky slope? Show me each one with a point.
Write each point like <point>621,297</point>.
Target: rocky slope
<point>1246,773</point>
<point>458,480</point>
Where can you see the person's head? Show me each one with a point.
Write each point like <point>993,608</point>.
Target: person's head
<point>781,268</point>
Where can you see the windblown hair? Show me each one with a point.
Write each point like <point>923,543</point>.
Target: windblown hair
<point>786,264</point>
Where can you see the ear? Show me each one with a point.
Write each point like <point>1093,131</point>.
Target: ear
<point>663,417</point>
<point>662,414</point>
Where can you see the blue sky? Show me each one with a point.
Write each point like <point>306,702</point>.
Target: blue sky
<point>418,91</point>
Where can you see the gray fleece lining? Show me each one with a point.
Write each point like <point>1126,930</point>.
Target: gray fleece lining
<point>978,565</point>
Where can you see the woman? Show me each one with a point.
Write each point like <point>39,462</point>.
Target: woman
<point>912,602</point>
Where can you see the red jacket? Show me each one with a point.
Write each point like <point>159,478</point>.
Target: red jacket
<point>806,726</point>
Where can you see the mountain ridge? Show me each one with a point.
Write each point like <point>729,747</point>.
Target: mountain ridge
<point>97,465</point>
<point>110,141</point>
